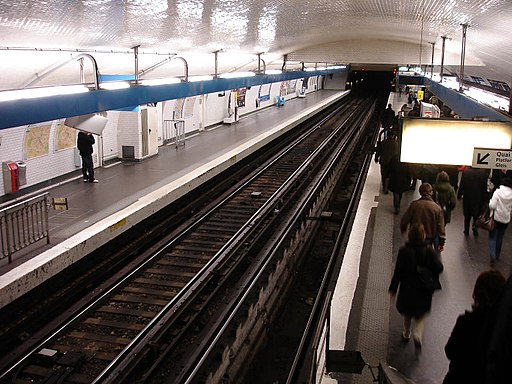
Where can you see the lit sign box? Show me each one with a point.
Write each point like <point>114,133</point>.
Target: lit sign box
<point>91,123</point>
<point>433,141</point>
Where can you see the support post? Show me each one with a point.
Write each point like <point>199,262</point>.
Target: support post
<point>136,56</point>
<point>463,56</point>
<point>432,62</point>
<point>216,73</point>
<point>442,57</point>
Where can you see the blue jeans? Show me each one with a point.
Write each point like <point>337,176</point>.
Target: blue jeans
<point>496,239</point>
<point>87,167</point>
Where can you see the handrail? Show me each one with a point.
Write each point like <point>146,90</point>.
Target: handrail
<point>58,66</point>
<point>23,224</point>
<point>154,66</point>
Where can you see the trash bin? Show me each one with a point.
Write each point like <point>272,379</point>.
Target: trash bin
<point>22,172</point>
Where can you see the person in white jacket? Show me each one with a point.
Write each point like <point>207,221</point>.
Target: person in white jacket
<point>500,206</point>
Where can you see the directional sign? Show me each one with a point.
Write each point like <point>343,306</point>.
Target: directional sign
<point>492,158</point>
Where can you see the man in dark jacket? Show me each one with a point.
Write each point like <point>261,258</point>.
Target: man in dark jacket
<point>386,150</point>
<point>473,191</point>
<point>387,117</point>
<point>425,211</point>
<point>84,143</point>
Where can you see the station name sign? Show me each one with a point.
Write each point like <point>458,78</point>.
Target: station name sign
<point>492,158</point>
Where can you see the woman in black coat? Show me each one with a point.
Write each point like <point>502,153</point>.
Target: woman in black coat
<point>414,300</point>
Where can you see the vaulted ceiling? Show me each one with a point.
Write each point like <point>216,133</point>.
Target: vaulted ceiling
<point>36,37</point>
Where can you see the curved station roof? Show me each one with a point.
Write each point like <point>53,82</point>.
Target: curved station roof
<point>41,41</point>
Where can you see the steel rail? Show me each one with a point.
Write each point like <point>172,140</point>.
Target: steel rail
<point>189,375</point>
<point>177,300</point>
<point>192,290</point>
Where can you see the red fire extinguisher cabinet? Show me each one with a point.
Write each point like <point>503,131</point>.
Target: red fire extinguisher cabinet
<point>10,171</point>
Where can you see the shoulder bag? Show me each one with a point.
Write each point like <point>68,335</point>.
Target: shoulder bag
<point>485,220</point>
<point>425,275</point>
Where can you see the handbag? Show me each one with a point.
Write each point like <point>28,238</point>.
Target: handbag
<point>426,279</point>
<point>485,221</point>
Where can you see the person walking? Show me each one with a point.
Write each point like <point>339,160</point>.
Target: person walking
<point>470,338</point>
<point>428,213</point>
<point>414,300</point>
<point>445,195</point>
<point>385,151</point>
<point>500,206</point>
<point>85,141</point>
<point>499,353</point>
<point>399,181</point>
<point>472,190</point>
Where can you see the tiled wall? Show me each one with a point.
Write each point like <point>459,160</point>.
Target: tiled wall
<point>123,129</point>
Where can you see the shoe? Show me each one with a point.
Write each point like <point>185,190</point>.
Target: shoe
<point>417,345</point>
<point>405,339</point>
<point>466,233</point>
<point>493,264</point>
<point>85,180</point>
<point>475,231</point>
<point>397,211</point>
<point>94,181</point>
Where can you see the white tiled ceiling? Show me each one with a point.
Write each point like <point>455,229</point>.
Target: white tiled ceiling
<point>333,31</point>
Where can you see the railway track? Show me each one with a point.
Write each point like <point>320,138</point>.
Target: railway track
<point>163,321</point>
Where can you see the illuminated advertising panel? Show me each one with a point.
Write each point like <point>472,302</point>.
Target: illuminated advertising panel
<point>433,141</point>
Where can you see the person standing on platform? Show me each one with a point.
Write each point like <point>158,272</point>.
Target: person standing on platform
<point>469,341</point>
<point>472,190</point>
<point>386,150</point>
<point>387,117</point>
<point>428,213</point>
<point>445,195</point>
<point>84,143</point>
<point>399,181</point>
<point>500,206</point>
<point>414,300</point>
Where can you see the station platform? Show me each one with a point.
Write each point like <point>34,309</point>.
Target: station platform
<point>129,192</point>
<point>362,316</point>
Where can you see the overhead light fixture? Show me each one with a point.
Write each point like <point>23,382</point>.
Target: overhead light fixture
<point>200,78</point>
<point>168,80</point>
<point>33,93</point>
<point>313,69</point>
<point>337,67</point>
<point>233,75</point>
<point>273,72</point>
<point>111,85</point>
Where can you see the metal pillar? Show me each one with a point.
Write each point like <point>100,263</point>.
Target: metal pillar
<point>136,54</point>
<point>442,58</point>
<point>82,74</point>
<point>432,63</point>
<point>216,74</point>
<point>510,102</point>
<point>462,56</point>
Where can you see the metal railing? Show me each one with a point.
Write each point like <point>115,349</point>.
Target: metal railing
<point>23,224</point>
<point>174,129</point>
